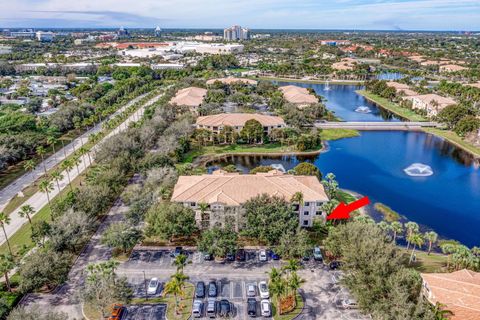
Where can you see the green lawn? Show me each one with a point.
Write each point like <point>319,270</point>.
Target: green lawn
<point>428,263</point>
<point>455,139</point>
<point>335,134</point>
<point>393,107</point>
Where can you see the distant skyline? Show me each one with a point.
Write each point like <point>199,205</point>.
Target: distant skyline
<point>429,15</point>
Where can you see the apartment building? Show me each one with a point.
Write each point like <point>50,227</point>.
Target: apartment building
<point>217,122</point>
<point>226,193</point>
<point>235,33</point>
<point>298,95</point>
<point>191,97</point>
<point>431,103</point>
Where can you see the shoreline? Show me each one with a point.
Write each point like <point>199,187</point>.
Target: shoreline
<point>444,134</point>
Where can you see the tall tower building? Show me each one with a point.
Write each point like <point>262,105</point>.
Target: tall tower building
<point>235,33</point>
<point>158,32</point>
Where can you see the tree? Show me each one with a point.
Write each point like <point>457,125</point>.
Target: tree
<point>267,218</point>
<point>448,249</point>
<point>176,286</point>
<point>26,211</point>
<point>170,220</point>
<point>261,169</point>
<point>5,219</point>
<point>218,241</point>
<point>294,283</point>
<point>40,232</point>
<point>307,169</point>
<point>417,240</point>
<point>103,287</point>
<point>466,125</point>
<point>293,244</point>
<point>7,264</point>
<point>121,236</point>
<point>397,228</point>
<point>68,165</point>
<point>57,176</point>
<point>452,114</point>
<point>411,227</point>
<point>51,140</point>
<point>46,186</point>
<point>181,262</point>
<point>431,237</point>
<point>330,185</point>
<point>41,151</point>
<point>252,131</point>
<point>440,313</point>
<point>384,226</point>
<point>29,165</point>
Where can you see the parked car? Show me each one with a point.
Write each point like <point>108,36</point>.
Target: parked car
<point>207,256</point>
<point>252,307</point>
<point>274,255</point>
<point>200,290</point>
<point>307,256</point>
<point>335,265</point>
<point>212,308</point>
<point>251,292</point>
<point>263,289</point>
<point>317,254</point>
<point>212,289</point>
<point>225,308</point>
<point>349,304</point>
<point>153,286</point>
<point>241,256</point>
<point>197,308</point>
<point>178,251</point>
<point>262,256</point>
<point>266,308</point>
<point>230,257</point>
<point>117,312</point>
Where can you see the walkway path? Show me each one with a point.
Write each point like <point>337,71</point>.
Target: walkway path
<point>379,125</point>
<point>39,199</point>
<point>10,191</point>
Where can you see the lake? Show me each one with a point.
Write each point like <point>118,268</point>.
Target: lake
<point>373,165</point>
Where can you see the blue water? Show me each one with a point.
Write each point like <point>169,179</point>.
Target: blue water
<point>372,164</point>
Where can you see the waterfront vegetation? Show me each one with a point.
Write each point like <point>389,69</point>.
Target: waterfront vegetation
<point>455,139</point>
<point>335,134</point>
<point>389,214</point>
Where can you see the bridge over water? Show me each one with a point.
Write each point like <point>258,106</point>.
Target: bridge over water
<point>358,125</point>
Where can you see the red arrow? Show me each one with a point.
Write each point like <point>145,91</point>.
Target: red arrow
<point>342,211</point>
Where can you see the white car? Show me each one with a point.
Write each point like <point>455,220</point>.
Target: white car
<point>153,286</point>
<point>263,289</point>
<point>251,292</point>
<point>266,308</point>
<point>262,256</point>
<point>349,304</point>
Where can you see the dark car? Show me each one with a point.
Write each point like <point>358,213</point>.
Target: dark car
<point>212,289</point>
<point>225,308</point>
<point>178,251</point>
<point>230,257</point>
<point>241,256</point>
<point>335,265</point>
<point>252,307</point>
<point>306,256</point>
<point>207,257</point>
<point>274,255</point>
<point>200,290</point>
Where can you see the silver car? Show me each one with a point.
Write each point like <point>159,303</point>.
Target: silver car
<point>266,308</point>
<point>251,291</point>
<point>197,308</point>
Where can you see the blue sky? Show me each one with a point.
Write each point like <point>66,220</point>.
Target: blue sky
<point>276,14</point>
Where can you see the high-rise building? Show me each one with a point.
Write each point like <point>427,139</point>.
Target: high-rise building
<point>236,33</point>
<point>45,36</point>
<point>158,32</point>
<point>122,33</point>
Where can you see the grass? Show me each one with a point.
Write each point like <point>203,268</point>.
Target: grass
<point>388,213</point>
<point>427,263</point>
<point>393,107</point>
<point>454,139</point>
<point>292,314</point>
<point>335,134</point>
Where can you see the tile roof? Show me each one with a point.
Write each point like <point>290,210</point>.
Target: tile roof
<point>239,119</point>
<point>230,80</point>
<point>235,189</point>
<point>191,97</point>
<point>298,95</point>
<point>428,98</point>
<point>397,85</point>
<point>459,291</point>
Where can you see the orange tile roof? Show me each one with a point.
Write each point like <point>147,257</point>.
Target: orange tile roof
<point>230,80</point>
<point>298,95</point>
<point>459,291</point>
<point>239,119</point>
<point>191,97</point>
<point>235,189</point>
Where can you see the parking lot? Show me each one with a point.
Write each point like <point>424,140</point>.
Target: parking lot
<point>322,292</point>
<point>145,312</point>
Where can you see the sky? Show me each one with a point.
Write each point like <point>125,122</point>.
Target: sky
<point>455,15</point>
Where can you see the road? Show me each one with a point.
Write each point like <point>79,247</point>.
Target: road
<point>10,191</point>
<point>39,199</point>
<point>380,125</point>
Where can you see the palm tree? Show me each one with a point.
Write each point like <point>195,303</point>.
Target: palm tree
<point>292,265</point>
<point>6,265</point>
<point>448,249</point>
<point>5,219</point>
<point>68,165</point>
<point>384,226</point>
<point>29,165</point>
<point>51,140</point>
<point>294,283</point>
<point>297,197</point>
<point>84,151</point>
<point>274,275</point>
<point>76,161</point>
<point>278,289</point>
<point>176,286</point>
<point>57,175</point>
<point>440,313</point>
<point>417,240</point>
<point>180,262</point>
<point>397,228</point>
<point>46,186</point>
<point>41,151</point>
<point>431,237</point>
<point>26,211</point>
<point>411,227</point>
<point>203,209</point>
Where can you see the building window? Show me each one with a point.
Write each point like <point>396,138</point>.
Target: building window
<point>305,222</point>
<point>306,204</point>
<point>306,213</point>
<point>193,204</point>
<point>319,204</point>
<point>318,213</point>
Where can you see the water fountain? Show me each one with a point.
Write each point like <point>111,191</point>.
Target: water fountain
<point>363,109</point>
<point>418,170</point>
